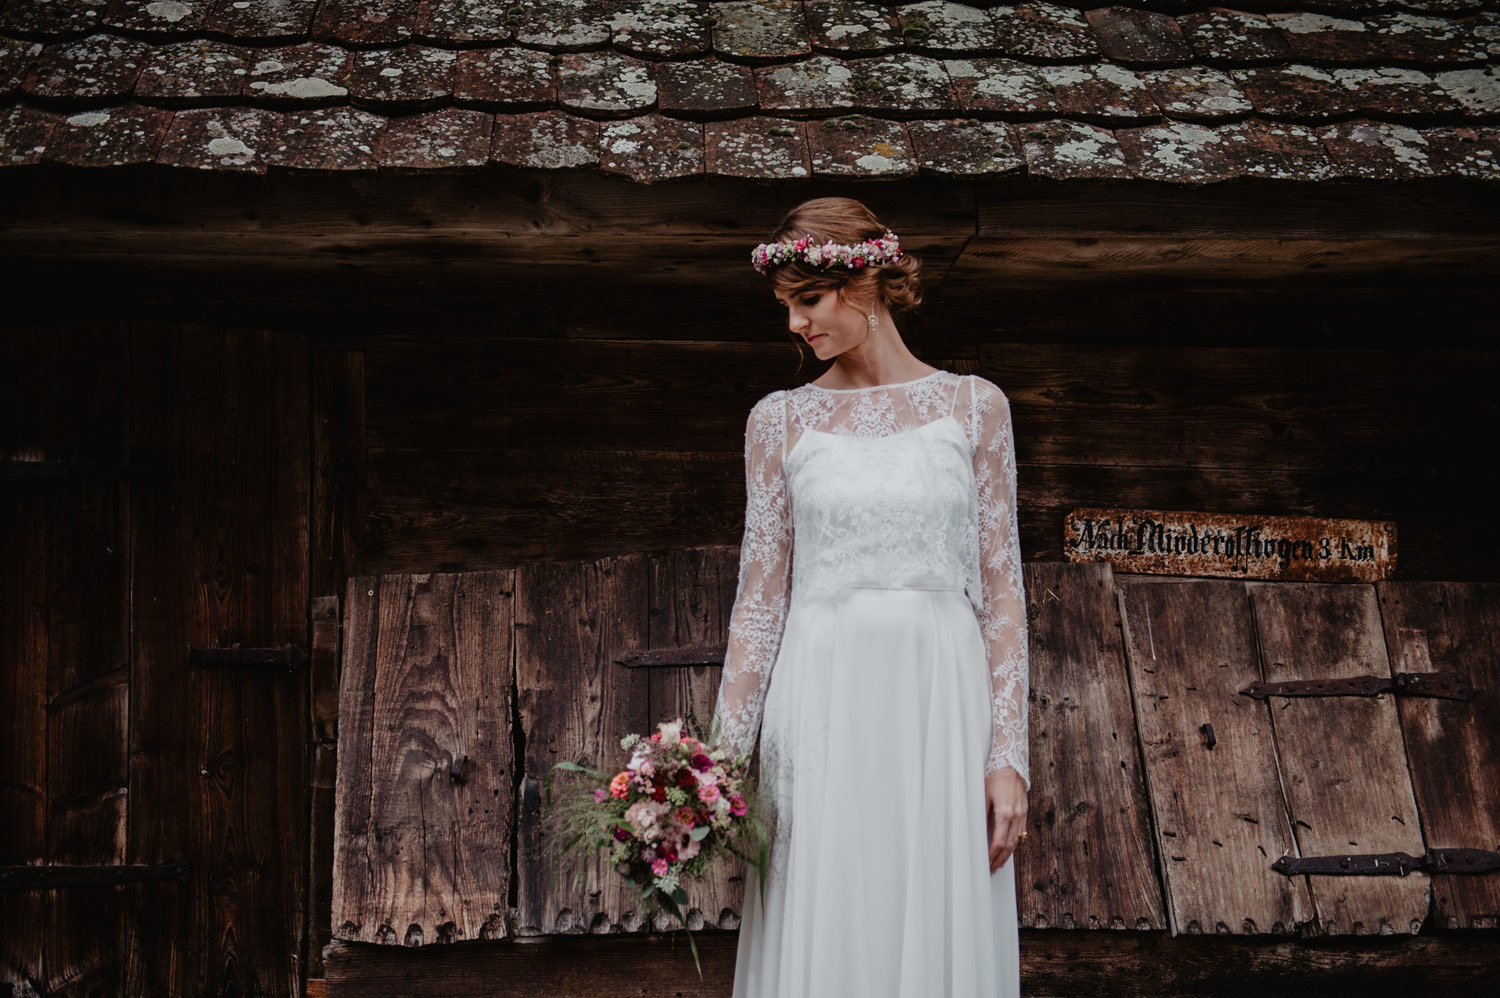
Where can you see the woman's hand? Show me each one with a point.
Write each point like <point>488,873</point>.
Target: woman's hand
<point>1005,813</point>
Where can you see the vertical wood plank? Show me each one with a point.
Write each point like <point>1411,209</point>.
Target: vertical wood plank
<point>337,539</point>
<point>218,760</point>
<point>1219,814</point>
<point>572,621</point>
<point>1452,745</point>
<point>1343,765</point>
<point>1088,862</point>
<point>431,864</point>
<point>364,600</point>
<point>692,594</point>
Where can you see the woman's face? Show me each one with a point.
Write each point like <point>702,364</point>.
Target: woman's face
<point>828,324</point>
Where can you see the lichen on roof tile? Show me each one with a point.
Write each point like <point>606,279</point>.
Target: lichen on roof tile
<point>98,66</point>
<point>1314,37</point>
<point>1409,37</point>
<point>857,146</point>
<point>560,25</point>
<point>328,138</point>
<point>651,148</point>
<point>461,22</point>
<point>965,147</point>
<point>52,19</point>
<point>16,59</point>
<point>1100,89</point>
<point>1196,92</point>
<point>1274,150</point>
<point>1477,90</point>
<point>1376,150</point>
<point>545,140</point>
<point>947,28</point>
<point>705,88</point>
<point>661,29</point>
<point>1471,151</point>
<point>1177,152</point>
<point>192,71</point>
<point>1000,85</point>
<point>1394,90</point>
<point>856,27</point>
<point>1070,150</point>
<point>24,132</point>
<point>228,138</point>
<point>1295,90</point>
<point>757,147</point>
<point>452,137</point>
<point>900,84</point>
<point>117,136</point>
<point>410,75</point>
<point>1139,37</point>
<point>264,20</point>
<point>161,17</point>
<point>605,84</point>
<point>1044,31</point>
<point>1226,36</point>
<point>365,22</point>
<point>820,83</point>
<point>299,74</point>
<point>760,30</point>
<point>507,76</point>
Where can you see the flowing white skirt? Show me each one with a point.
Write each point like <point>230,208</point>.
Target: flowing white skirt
<point>874,737</point>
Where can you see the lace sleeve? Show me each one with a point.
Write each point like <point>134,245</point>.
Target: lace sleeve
<point>1002,609</point>
<point>763,593</point>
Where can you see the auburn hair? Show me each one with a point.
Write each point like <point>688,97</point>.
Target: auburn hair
<point>844,220</point>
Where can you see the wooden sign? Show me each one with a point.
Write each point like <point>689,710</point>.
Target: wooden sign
<point>1291,548</point>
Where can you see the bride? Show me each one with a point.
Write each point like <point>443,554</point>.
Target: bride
<point>877,644</point>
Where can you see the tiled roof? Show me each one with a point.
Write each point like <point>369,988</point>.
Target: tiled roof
<point>770,89</point>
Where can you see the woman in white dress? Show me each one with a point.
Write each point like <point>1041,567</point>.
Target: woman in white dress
<point>877,645</point>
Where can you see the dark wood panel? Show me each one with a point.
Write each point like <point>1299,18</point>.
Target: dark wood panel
<point>1089,861</point>
<point>572,621</point>
<point>1053,963</point>
<point>337,544</point>
<point>218,761</point>
<point>1342,762</point>
<point>1452,745</point>
<point>468,509</point>
<point>1218,812</point>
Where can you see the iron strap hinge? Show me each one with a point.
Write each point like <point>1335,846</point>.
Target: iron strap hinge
<point>1448,685</point>
<point>288,656</point>
<point>1433,861</point>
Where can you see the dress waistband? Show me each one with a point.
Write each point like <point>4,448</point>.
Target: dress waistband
<point>834,589</point>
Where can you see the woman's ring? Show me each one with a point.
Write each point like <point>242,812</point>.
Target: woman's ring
<point>1021,837</point>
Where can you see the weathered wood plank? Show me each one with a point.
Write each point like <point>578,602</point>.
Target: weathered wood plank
<point>691,596</point>
<point>1053,963</point>
<point>369,615</point>
<point>218,764</point>
<point>436,859</point>
<point>1343,765</point>
<point>1088,862</point>
<point>1217,806</point>
<point>1452,745</point>
<point>572,621</point>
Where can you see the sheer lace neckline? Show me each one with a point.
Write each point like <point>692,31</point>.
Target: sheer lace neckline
<point>871,388</point>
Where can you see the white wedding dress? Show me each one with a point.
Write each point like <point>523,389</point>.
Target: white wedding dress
<point>877,645</point>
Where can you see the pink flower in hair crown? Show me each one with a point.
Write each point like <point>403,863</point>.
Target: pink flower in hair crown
<point>852,256</point>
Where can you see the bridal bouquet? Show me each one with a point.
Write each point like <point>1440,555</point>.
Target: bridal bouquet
<point>676,805</point>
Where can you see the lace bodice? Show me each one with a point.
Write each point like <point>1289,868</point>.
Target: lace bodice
<point>911,485</point>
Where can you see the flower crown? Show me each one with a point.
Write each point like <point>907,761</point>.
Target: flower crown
<point>886,249</point>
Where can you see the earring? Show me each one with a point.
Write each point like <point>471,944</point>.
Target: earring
<point>872,322</point>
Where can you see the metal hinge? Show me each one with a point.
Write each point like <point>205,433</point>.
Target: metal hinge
<point>288,657</point>
<point>1449,685</point>
<point>1433,861</point>
<point>686,655</point>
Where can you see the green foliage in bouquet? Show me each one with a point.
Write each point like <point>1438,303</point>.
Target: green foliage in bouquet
<point>661,819</point>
